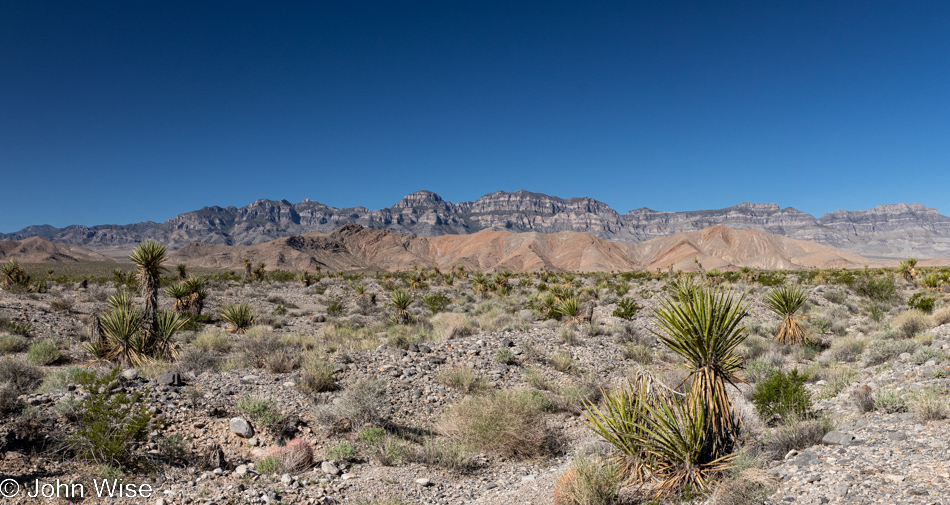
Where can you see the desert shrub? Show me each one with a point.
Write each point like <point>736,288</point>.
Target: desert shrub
<point>847,349</point>
<point>574,397</point>
<point>436,302</point>
<point>929,405</point>
<point>342,451</point>
<point>12,343</point>
<point>536,379</point>
<point>239,315</point>
<point>212,341</point>
<point>637,353</point>
<point>386,450</point>
<point>876,288</point>
<point>820,325</point>
<point>923,354</point>
<point>881,351</point>
<point>449,455</point>
<point>317,374</point>
<point>877,311</point>
<point>197,361</point>
<point>9,400</point>
<point>282,361</point>
<point>750,486</point>
<point>795,434</point>
<point>589,482</point>
<point>563,362</point>
<point>569,335</point>
<point>110,422</point>
<point>372,435</point>
<point>23,376</point>
<point>890,402</point>
<point>60,379</point>
<point>60,305</point>
<point>759,370</point>
<point>450,325</point>
<point>941,316</point>
<point>783,394</point>
<point>257,346</point>
<point>462,378</point>
<point>507,423</point>
<point>922,303</point>
<point>863,399</point>
<point>836,377</point>
<point>43,352</point>
<point>910,322</point>
<point>261,411</point>
<point>835,296</point>
<point>627,308</point>
<point>294,457</point>
<point>360,404</point>
<point>21,328</point>
<point>505,355</point>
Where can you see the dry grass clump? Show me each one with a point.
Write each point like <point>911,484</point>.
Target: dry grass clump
<point>846,349</point>
<point>362,403</point>
<point>911,322</point>
<point>462,378</point>
<point>863,399</point>
<point>507,423</point>
<point>589,482</point>
<point>929,405</point>
<point>19,374</point>
<point>795,434</point>
<point>294,457</point>
<point>198,361</point>
<point>941,316</point>
<point>749,487</point>
<point>316,374</point>
<point>881,351</point>
<point>12,343</point>
<point>257,346</point>
<point>563,362</point>
<point>212,341</point>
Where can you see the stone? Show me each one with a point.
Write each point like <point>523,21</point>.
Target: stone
<point>424,482</point>
<point>507,343</point>
<point>240,471</point>
<point>170,379</point>
<point>329,468</point>
<point>286,478</point>
<point>240,427</point>
<point>130,374</point>
<point>837,438</point>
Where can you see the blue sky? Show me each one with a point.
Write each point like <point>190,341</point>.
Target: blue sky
<point>118,112</point>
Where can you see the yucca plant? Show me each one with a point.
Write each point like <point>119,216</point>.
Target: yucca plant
<point>570,308</point>
<point>182,271</point>
<point>179,292</point>
<point>122,326</point>
<point>13,275</point>
<point>908,269</point>
<point>401,301</point>
<point>785,301</point>
<point>705,331</point>
<point>168,324</point>
<point>239,315</point>
<point>148,258</point>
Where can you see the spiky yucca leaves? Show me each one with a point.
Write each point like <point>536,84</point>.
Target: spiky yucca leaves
<point>705,331</point>
<point>401,301</point>
<point>785,301</point>
<point>122,327</point>
<point>659,434</point>
<point>13,275</point>
<point>571,309</point>
<point>189,295</point>
<point>907,269</point>
<point>240,315</point>
<point>169,323</point>
<point>148,258</point>
<point>179,292</point>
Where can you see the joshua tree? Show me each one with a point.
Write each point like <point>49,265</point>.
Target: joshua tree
<point>49,273</point>
<point>148,258</point>
<point>907,269</point>
<point>401,301</point>
<point>182,274</point>
<point>785,301</point>
<point>247,270</point>
<point>259,273</point>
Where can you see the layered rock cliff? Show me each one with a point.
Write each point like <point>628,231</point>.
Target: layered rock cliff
<point>895,231</point>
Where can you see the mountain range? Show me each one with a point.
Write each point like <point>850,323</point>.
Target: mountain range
<point>886,231</point>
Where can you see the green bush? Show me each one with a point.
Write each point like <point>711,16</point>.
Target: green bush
<point>12,343</point>
<point>110,422</point>
<point>260,411</point>
<point>880,289</point>
<point>922,303</point>
<point>43,352</point>
<point>881,351</point>
<point>626,308</point>
<point>436,302</point>
<point>783,394</point>
<point>343,451</point>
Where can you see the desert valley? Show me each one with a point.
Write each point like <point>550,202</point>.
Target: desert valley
<point>516,349</point>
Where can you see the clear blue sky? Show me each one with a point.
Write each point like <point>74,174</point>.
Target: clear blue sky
<point>118,112</point>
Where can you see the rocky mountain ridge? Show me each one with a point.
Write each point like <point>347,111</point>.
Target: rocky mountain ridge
<point>891,231</point>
